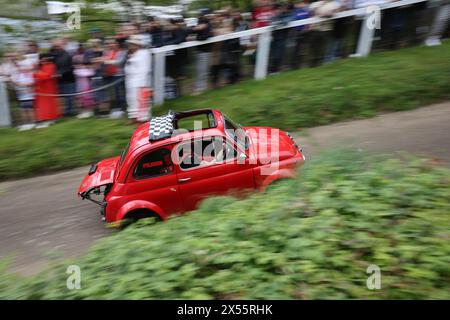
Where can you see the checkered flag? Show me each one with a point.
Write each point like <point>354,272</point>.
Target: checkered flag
<point>162,127</point>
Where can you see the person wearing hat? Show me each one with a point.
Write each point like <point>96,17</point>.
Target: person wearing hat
<point>137,75</point>
<point>96,33</point>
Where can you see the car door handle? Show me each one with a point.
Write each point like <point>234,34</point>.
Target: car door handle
<point>184,179</point>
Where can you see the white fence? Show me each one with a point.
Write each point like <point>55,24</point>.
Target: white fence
<point>5,116</point>
<point>264,38</point>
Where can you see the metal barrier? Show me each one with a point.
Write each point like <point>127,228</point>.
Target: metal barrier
<point>5,116</point>
<point>264,39</point>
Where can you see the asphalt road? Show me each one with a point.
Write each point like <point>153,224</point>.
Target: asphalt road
<point>42,218</point>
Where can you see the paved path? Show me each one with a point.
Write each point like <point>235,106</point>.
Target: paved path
<point>424,131</point>
<point>42,216</point>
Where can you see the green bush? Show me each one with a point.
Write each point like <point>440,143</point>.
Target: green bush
<point>311,238</point>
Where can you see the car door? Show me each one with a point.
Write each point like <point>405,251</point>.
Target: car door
<point>215,173</point>
<point>153,179</point>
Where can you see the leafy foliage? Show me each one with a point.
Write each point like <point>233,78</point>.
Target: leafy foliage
<point>310,238</point>
<point>245,5</point>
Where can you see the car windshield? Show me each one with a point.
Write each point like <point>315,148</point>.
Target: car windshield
<point>236,133</point>
<point>124,154</point>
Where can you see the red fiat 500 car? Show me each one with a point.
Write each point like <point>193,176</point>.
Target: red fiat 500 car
<point>173,162</point>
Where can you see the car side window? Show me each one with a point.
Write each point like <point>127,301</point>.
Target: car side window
<point>205,152</point>
<point>153,164</point>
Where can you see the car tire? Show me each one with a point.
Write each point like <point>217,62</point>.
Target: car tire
<point>134,216</point>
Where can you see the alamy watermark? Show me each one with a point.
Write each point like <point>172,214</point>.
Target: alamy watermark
<point>73,281</point>
<point>72,10</point>
<point>74,20</point>
<point>373,17</point>
<point>374,280</point>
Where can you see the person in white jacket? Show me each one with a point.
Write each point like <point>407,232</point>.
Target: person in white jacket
<point>137,76</point>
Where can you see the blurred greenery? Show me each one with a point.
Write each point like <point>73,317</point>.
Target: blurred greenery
<point>310,238</point>
<point>196,4</point>
<point>219,4</point>
<point>347,89</point>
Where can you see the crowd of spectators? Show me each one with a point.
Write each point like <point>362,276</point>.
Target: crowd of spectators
<point>113,74</point>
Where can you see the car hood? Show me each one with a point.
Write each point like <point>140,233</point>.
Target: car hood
<point>100,174</point>
<point>271,142</point>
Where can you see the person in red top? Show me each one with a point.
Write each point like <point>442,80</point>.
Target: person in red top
<point>46,107</point>
<point>263,13</point>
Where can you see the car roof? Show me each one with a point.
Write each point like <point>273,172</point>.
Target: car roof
<point>141,136</point>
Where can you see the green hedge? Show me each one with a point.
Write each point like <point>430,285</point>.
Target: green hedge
<point>311,238</point>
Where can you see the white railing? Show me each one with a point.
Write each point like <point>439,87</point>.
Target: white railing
<point>264,38</point>
<point>5,116</point>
